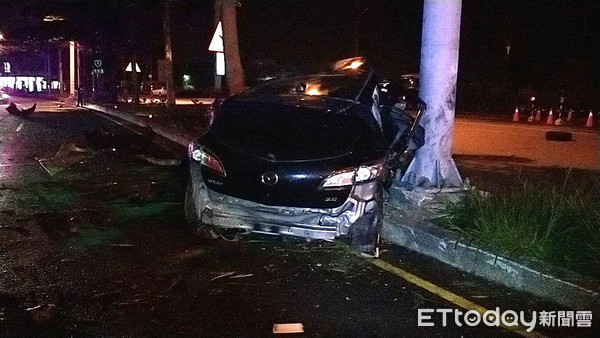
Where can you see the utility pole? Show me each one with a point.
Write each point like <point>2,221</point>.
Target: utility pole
<point>234,71</point>
<point>168,55</point>
<point>433,165</point>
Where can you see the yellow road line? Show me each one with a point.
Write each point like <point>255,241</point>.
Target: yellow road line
<point>445,294</point>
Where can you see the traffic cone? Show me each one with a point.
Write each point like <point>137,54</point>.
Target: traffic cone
<point>590,120</point>
<point>550,119</point>
<point>516,115</point>
<point>538,115</point>
<point>570,115</point>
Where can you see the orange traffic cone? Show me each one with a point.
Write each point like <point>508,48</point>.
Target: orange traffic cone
<point>570,115</point>
<point>516,115</point>
<point>550,119</point>
<point>538,115</point>
<point>590,120</point>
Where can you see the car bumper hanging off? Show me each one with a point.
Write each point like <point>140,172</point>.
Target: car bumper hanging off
<point>229,213</point>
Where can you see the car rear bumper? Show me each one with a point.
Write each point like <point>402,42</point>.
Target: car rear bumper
<point>229,213</point>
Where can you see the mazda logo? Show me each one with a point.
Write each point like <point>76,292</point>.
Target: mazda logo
<point>269,178</point>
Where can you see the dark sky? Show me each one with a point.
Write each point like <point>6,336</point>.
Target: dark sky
<point>553,42</point>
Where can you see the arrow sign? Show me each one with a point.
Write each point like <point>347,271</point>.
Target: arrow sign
<point>129,68</point>
<point>216,43</point>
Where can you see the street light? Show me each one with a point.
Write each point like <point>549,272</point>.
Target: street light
<point>356,29</point>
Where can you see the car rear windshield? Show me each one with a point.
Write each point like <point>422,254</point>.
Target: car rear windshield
<point>289,133</point>
<point>341,86</point>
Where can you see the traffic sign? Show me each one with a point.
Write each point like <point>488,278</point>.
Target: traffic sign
<point>216,43</point>
<point>129,68</point>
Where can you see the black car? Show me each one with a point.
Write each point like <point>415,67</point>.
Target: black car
<point>305,156</point>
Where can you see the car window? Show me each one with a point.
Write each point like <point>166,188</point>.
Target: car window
<point>332,85</point>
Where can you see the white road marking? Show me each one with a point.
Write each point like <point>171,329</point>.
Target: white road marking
<point>20,127</point>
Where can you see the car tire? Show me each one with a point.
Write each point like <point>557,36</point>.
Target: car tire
<point>560,136</point>
<point>193,221</point>
<point>365,233</point>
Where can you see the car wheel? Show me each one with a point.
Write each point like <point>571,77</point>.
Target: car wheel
<point>558,136</point>
<point>193,220</point>
<point>365,233</point>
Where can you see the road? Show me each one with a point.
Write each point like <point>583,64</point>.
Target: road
<point>98,248</point>
<point>525,144</point>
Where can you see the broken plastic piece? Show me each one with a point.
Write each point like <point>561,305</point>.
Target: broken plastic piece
<point>288,328</point>
<point>25,113</point>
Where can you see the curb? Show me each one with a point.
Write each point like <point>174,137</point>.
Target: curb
<point>558,285</point>
<point>167,132</point>
<point>542,280</point>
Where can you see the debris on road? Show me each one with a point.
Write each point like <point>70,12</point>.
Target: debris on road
<point>33,308</point>
<point>4,187</point>
<point>160,161</point>
<point>242,276</point>
<point>177,280</point>
<point>104,294</point>
<point>122,245</point>
<point>288,328</point>
<point>225,274</point>
<point>24,113</point>
<point>63,158</point>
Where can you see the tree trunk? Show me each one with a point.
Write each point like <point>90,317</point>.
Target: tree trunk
<point>170,86</point>
<point>217,19</point>
<point>433,165</point>
<point>233,65</point>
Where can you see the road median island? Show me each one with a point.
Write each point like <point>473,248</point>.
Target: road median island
<point>407,224</point>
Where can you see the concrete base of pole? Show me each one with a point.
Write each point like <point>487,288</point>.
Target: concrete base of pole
<point>425,171</point>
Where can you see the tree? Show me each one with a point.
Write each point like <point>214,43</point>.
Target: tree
<point>234,71</point>
<point>170,86</point>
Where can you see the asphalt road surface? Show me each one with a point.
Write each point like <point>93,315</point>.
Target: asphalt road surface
<point>92,243</point>
<point>526,144</point>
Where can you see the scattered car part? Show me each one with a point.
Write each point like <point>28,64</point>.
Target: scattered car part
<point>25,113</point>
<point>560,136</point>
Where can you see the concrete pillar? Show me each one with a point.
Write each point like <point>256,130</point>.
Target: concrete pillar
<point>433,165</point>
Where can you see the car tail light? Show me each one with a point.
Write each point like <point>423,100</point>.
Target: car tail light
<point>205,157</point>
<point>364,173</point>
<point>339,179</point>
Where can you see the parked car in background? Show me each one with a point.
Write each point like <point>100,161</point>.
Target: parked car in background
<point>306,156</point>
<point>159,91</point>
<point>3,97</point>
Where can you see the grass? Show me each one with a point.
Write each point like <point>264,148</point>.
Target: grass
<point>560,226</point>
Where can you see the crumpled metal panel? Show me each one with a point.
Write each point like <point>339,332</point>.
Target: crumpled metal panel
<point>227,212</point>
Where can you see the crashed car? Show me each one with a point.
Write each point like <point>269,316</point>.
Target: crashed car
<point>306,156</point>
